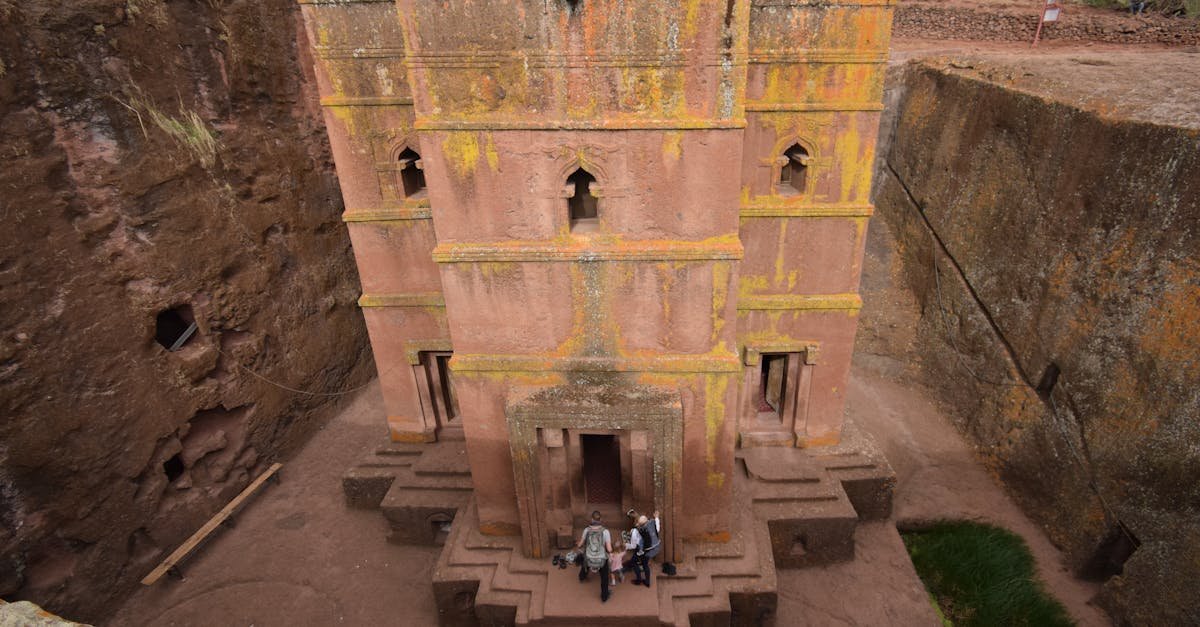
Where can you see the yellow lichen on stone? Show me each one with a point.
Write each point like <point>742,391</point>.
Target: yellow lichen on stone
<point>672,145</point>
<point>461,149</point>
<point>715,386</point>
<point>493,156</point>
<point>751,284</point>
<point>720,274</point>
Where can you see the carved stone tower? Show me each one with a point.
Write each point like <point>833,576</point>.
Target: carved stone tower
<point>606,242</point>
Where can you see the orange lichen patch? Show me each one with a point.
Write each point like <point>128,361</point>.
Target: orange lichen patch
<point>1172,326</point>
<point>499,529</point>
<point>416,437</point>
<point>1131,422</point>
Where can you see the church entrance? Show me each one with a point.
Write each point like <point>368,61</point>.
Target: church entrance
<point>572,455</point>
<point>601,469</point>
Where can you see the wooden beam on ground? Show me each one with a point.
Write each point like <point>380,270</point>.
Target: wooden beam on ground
<point>186,548</point>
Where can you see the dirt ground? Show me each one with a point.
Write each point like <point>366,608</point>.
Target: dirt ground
<point>299,556</point>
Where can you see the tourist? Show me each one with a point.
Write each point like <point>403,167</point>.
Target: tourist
<point>645,540</point>
<point>616,561</point>
<point>596,543</point>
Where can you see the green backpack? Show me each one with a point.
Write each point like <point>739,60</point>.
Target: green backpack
<point>594,555</point>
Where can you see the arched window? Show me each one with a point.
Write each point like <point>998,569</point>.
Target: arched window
<point>582,204</point>
<point>793,173</point>
<point>412,177</point>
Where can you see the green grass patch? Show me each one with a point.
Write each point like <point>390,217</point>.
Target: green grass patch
<point>981,575</point>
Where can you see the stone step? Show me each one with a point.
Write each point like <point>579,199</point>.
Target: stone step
<point>699,594</point>
<point>449,459</point>
<point>869,489</point>
<point>418,507</point>
<point>367,483</point>
<point>809,533</point>
<point>781,465</point>
<point>406,479</point>
<point>418,515</point>
<point>401,449</point>
<point>791,508</point>
<point>756,439</point>
<point>364,487</point>
<point>828,490</point>
<point>708,609</point>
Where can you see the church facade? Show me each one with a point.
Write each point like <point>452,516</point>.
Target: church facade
<point>606,244</point>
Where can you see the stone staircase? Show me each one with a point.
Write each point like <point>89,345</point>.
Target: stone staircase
<point>792,508</point>
<point>723,583</point>
<point>420,488</point>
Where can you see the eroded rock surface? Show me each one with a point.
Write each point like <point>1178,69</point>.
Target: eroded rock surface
<point>164,163</point>
<point>1051,243</point>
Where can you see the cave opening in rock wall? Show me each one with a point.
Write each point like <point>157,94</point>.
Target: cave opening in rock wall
<point>174,467</point>
<point>174,328</point>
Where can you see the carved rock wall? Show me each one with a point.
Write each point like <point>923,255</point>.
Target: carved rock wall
<point>157,156</point>
<point>1039,236</point>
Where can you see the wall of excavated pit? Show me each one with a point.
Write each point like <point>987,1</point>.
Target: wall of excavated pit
<point>1054,257</point>
<point>157,157</point>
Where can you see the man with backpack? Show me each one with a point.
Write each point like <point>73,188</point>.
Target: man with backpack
<point>596,543</point>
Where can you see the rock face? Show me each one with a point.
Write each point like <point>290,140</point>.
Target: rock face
<point>1053,254</point>
<point>164,163</point>
<point>1019,22</point>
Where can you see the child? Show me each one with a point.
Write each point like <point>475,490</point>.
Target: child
<point>616,561</point>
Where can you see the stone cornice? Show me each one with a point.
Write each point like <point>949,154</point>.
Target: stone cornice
<point>365,101</point>
<point>589,249</point>
<point>414,348</point>
<point>800,302</point>
<point>675,363</point>
<point>808,55</point>
<point>604,124</point>
<point>794,107</point>
<point>413,299</point>
<point>417,210</point>
<point>769,210</point>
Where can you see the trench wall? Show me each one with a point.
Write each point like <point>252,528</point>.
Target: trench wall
<point>1039,237</point>
<point>155,156</point>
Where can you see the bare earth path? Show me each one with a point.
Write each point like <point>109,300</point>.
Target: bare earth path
<point>298,556</point>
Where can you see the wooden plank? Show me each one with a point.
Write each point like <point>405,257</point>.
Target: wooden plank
<point>184,549</point>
